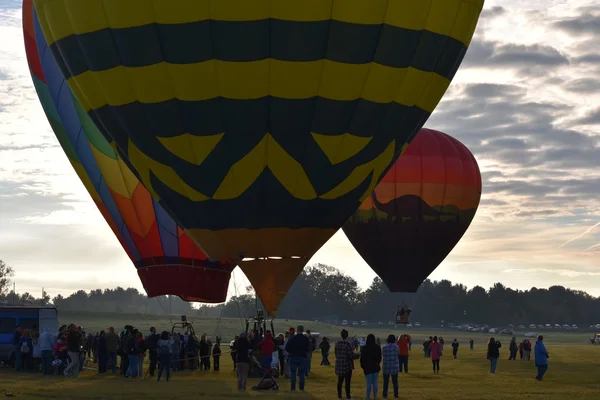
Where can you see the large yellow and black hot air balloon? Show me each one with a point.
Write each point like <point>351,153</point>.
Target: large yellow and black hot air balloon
<point>260,125</point>
<point>166,259</point>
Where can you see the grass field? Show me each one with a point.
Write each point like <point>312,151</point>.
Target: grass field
<point>573,372</point>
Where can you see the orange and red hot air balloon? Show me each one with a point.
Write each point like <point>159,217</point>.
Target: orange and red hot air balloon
<point>418,212</point>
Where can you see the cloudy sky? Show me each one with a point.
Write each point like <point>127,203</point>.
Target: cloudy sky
<point>526,102</point>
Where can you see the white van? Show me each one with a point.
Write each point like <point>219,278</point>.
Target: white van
<point>37,319</point>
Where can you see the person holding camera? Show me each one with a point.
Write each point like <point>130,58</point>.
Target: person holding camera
<point>493,353</point>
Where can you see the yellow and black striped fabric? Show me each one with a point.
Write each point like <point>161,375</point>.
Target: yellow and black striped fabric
<point>245,115</point>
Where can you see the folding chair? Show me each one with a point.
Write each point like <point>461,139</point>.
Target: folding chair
<point>267,382</point>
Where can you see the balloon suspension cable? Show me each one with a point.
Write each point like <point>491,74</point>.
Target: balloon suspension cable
<point>164,308</point>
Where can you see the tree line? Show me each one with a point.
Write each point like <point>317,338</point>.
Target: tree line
<point>325,293</point>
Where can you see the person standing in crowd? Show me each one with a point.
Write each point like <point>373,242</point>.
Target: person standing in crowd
<point>74,342</point>
<point>112,347</point>
<point>242,360</point>
<point>521,349</point>
<point>390,365</point>
<point>164,352</point>
<point>16,348</point>
<point>541,357</point>
<point>435,349</point>
<point>454,348</point>
<point>471,344</point>
<point>133,354</point>
<point>232,349</point>
<point>493,353</point>
<point>142,354</point>
<point>204,350</point>
<point>344,364</point>
<point>124,349</point>
<point>88,345</point>
<point>370,360</point>
<point>216,353</point>
<point>298,347</point>
<point>151,344</point>
<point>513,348</point>
<point>313,347</point>
<point>402,343</point>
<point>102,352</point>
<point>426,344</point>
<point>526,350</point>
<point>175,350</point>
<point>60,353</point>
<point>325,346</point>
<point>280,353</point>
<point>46,343</point>
<point>26,349</point>
<point>267,346</point>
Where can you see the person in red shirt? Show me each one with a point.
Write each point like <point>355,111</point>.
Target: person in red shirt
<point>267,346</point>
<point>402,343</point>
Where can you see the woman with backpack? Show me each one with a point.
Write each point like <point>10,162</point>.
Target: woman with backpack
<point>26,350</point>
<point>165,348</point>
<point>370,360</point>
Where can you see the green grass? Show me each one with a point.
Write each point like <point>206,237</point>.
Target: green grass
<point>572,374</point>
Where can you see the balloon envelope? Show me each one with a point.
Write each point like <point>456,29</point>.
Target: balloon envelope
<point>418,212</point>
<point>167,260</point>
<point>260,125</point>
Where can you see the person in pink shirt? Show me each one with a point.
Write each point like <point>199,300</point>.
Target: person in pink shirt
<point>436,352</point>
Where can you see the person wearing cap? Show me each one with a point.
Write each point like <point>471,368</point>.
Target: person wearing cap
<point>298,347</point>
<point>112,346</point>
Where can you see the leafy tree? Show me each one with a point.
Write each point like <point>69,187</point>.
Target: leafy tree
<point>6,272</point>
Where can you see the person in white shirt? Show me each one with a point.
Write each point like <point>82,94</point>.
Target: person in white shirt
<point>46,342</point>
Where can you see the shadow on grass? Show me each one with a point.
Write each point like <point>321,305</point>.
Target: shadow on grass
<point>91,386</point>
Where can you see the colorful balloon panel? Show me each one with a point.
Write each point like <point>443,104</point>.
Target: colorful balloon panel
<point>260,125</point>
<point>167,260</point>
<point>418,212</point>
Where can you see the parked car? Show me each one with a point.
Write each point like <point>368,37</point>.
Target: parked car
<point>530,334</point>
<point>354,323</point>
<point>507,332</point>
<point>417,324</point>
<point>532,326</point>
<point>521,326</point>
<point>363,323</point>
<point>344,322</point>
